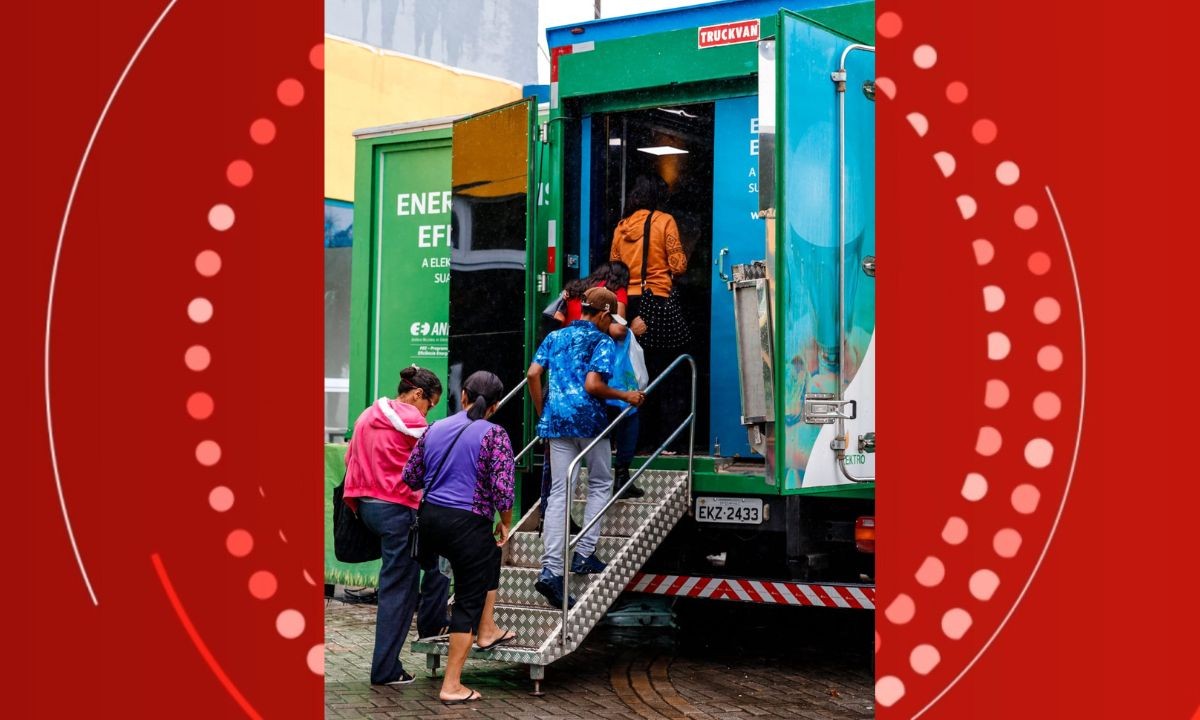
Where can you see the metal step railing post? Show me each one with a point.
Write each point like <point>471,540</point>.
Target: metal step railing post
<point>573,468</point>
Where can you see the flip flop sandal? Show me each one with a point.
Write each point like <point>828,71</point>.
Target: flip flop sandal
<point>507,637</point>
<point>473,697</point>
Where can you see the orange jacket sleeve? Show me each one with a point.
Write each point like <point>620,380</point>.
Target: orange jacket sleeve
<point>676,259</point>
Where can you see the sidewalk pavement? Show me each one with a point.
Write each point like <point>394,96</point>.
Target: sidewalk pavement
<point>617,673</point>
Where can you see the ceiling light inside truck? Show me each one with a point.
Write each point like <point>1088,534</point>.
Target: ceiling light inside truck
<point>663,150</point>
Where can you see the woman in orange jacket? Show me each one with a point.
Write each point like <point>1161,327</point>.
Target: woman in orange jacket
<point>647,241</point>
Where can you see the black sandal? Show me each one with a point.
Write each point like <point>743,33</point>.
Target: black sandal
<point>472,697</point>
<point>507,637</point>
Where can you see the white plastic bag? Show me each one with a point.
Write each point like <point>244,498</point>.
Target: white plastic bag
<point>637,358</point>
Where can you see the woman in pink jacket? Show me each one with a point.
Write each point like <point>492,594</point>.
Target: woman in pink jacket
<point>384,436</point>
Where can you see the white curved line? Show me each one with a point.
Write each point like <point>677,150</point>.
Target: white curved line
<point>62,231</point>
<point>1070,475</point>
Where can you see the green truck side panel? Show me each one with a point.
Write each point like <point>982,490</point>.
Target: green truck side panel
<point>402,291</point>
<point>862,491</point>
<point>661,69</point>
<point>707,482</point>
<point>654,61</point>
<point>663,60</point>
<point>339,573</point>
<point>856,21</point>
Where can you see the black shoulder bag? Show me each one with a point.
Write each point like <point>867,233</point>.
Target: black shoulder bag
<point>353,541</point>
<point>666,326</point>
<point>414,530</point>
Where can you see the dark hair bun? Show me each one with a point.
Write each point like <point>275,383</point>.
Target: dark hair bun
<point>419,378</point>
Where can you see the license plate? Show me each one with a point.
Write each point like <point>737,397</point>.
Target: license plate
<point>744,511</point>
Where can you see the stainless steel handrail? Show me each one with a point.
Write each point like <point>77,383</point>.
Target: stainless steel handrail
<point>512,393</point>
<point>689,422</point>
<point>527,448</point>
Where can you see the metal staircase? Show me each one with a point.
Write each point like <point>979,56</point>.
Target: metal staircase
<point>631,531</point>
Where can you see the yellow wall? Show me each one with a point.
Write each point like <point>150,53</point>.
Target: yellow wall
<point>368,87</point>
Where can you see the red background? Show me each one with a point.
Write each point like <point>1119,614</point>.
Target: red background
<point>119,384</point>
<point>1088,99</point>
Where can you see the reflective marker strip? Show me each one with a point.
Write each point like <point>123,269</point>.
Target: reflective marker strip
<point>835,596</point>
<point>686,588</point>
<point>641,582</point>
<point>863,601</point>
<point>772,592</point>
<point>810,595</point>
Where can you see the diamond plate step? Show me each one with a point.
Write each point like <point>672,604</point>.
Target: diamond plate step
<point>632,532</point>
<point>526,550</point>
<point>516,587</point>
<point>532,624</point>
<point>656,483</point>
<point>622,519</point>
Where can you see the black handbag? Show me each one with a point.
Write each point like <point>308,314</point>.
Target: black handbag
<point>666,324</point>
<point>414,530</point>
<point>556,306</point>
<point>353,541</point>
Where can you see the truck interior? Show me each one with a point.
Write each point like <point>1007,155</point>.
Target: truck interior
<point>674,143</point>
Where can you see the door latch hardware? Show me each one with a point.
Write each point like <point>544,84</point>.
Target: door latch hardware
<point>823,409</point>
<point>866,443</point>
<point>868,265</point>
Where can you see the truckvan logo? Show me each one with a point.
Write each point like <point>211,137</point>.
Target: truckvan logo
<point>742,31</point>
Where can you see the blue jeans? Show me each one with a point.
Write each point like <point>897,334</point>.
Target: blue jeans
<point>399,580</point>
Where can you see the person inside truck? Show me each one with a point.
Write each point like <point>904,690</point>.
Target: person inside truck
<point>647,241</point>
<point>465,466</point>
<point>613,275</point>
<point>384,436</point>
<point>580,360</point>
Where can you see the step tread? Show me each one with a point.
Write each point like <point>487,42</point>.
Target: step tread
<point>641,524</point>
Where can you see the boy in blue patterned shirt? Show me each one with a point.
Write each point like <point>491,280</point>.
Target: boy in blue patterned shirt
<point>580,359</point>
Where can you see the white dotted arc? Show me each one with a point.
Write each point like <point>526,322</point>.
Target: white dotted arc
<point>1038,452</point>
<point>221,217</point>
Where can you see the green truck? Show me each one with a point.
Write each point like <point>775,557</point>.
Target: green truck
<point>760,118</point>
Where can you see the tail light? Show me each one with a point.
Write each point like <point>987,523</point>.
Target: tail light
<point>864,534</point>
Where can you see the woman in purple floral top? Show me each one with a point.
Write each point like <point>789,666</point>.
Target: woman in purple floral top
<point>491,490</point>
<point>465,466</point>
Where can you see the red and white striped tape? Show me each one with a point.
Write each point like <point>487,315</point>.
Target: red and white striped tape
<point>857,597</point>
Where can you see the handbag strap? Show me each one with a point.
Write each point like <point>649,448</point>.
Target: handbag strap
<point>442,462</point>
<point>646,249</point>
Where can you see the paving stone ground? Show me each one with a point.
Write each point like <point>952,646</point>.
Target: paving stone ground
<point>723,660</point>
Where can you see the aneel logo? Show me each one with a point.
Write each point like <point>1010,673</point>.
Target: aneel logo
<point>732,33</point>
<point>437,329</point>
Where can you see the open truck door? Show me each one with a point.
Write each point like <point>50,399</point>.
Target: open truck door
<point>491,228</point>
<point>819,202</point>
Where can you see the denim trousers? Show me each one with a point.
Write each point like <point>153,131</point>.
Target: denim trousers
<point>401,589</point>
